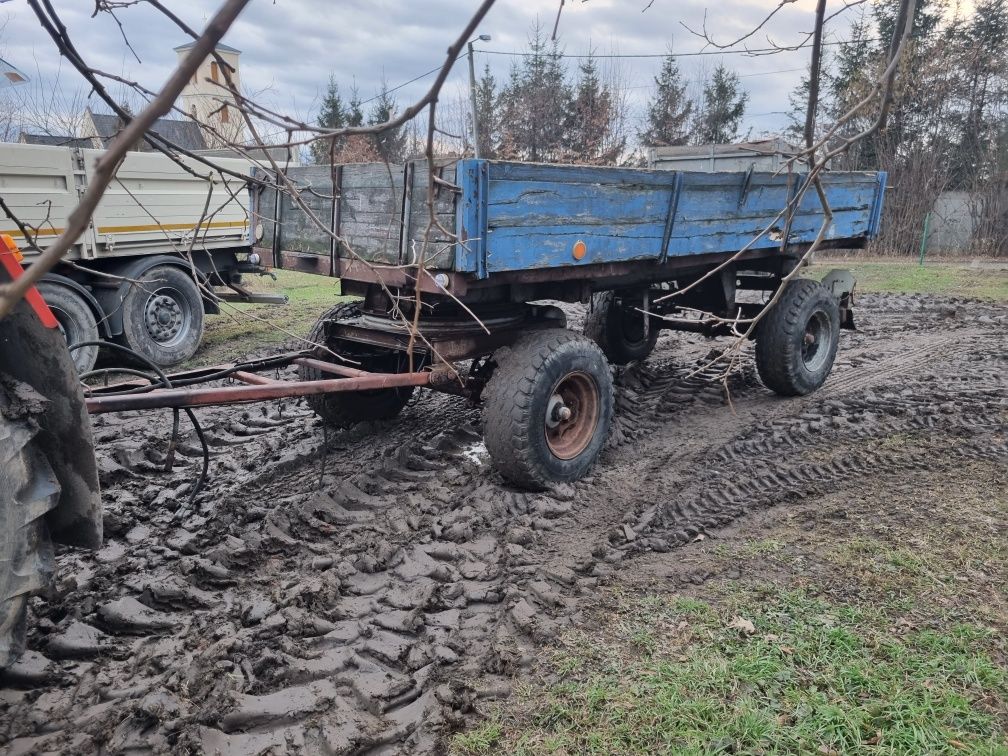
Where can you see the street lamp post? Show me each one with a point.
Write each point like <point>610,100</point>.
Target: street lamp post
<point>472,94</point>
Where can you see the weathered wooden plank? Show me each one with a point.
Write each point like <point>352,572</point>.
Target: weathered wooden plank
<point>538,204</point>
<point>508,171</point>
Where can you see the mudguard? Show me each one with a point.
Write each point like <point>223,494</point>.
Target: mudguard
<point>841,284</point>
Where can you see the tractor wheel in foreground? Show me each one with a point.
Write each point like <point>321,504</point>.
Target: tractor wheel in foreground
<point>28,489</point>
<point>163,316</point>
<point>344,409</point>
<point>618,328</point>
<point>76,321</point>
<point>548,408</point>
<point>796,342</point>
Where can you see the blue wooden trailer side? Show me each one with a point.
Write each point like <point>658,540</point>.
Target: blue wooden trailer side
<point>520,216</point>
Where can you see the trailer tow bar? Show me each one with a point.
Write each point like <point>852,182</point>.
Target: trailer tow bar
<point>139,395</point>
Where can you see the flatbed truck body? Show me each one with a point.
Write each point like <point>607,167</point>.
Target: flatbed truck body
<point>168,241</point>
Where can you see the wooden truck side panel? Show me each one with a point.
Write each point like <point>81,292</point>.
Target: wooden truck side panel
<point>521,216</point>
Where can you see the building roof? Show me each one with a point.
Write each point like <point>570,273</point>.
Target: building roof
<point>220,46</point>
<point>185,134</point>
<point>57,141</point>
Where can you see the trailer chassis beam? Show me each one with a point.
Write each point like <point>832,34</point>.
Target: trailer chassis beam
<point>255,388</point>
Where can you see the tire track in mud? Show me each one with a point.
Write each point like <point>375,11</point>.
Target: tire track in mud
<point>956,411</point>
<point>376,611</point>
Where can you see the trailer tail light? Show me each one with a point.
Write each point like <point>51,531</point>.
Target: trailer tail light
<point>10,259</point>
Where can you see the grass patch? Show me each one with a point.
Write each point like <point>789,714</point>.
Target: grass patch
<point>881,631</point>
<point>480,740</point>
<point>766,671</point>
<point>984,281</point>
<point>242,329</point>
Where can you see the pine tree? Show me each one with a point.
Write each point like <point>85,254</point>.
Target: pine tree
<point>332,115</point>
<point>486,108</point>
<point>592,116</point>
<point>668,114</point>
<point>798,102</point>
<point>391,143</point>
<point>723,106</point>
<point>535,104</point>
<point>355,116</point>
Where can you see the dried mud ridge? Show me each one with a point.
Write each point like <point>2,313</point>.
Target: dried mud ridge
<point>374,609</point>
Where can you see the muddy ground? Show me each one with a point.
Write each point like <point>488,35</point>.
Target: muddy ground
<point>372,598</point>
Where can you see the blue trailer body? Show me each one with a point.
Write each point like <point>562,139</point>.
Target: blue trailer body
<point>520,216</point>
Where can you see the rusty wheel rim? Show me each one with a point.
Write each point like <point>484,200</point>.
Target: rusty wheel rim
<point>571,415</point>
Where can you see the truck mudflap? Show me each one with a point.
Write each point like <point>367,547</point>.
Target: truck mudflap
<point>841,283</point>
<point>34,352</point>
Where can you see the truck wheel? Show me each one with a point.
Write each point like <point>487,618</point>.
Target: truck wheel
<point>163,316</point>
<point>796,341</point>
<point>342,410</point>
<point>618,328</point>
<point>76,321</point>
<point>548,407</point>
<point>28,489</point>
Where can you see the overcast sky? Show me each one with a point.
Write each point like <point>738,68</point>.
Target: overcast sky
<point>289,47</point>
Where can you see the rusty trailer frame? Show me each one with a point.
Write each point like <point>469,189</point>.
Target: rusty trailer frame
<point>185,389</point>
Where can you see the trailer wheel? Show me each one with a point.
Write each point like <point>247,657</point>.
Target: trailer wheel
<point>619,329</point>
<point>342,410</point>
<point>796,342</point>
<point>28,489</point>
<point>163,316</point>
<point>76,321</point>
<point>548,408</point>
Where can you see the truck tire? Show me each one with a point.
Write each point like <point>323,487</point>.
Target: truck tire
<point>163,316</point>
<point>341,410</point>
<point>796,341</point>
<point>28,489</point>
<point>548,407</point>
<point>618,329</point>
<point>76,320</point>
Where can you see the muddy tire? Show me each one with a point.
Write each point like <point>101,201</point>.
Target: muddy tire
<point>342,410</point>
<point>76,321</point>
<point>796,342</point>
<point>548,408</point>
<point>619,329</point>
<point>163,316</point>
<point>28,489</point>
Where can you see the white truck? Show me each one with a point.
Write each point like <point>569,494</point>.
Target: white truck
<point>165,246</point>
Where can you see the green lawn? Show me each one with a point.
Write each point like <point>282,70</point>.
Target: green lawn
<point>241,329</point>
<point>985,280</point>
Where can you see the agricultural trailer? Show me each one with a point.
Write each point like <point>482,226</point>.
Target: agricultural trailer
<point>646,250</point>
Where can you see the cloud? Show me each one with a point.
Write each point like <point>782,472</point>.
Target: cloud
<point>290,47</point>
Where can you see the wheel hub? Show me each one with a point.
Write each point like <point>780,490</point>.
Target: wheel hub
<point>815,345</point>
<point>571,415</point>
<point>164,318</point>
